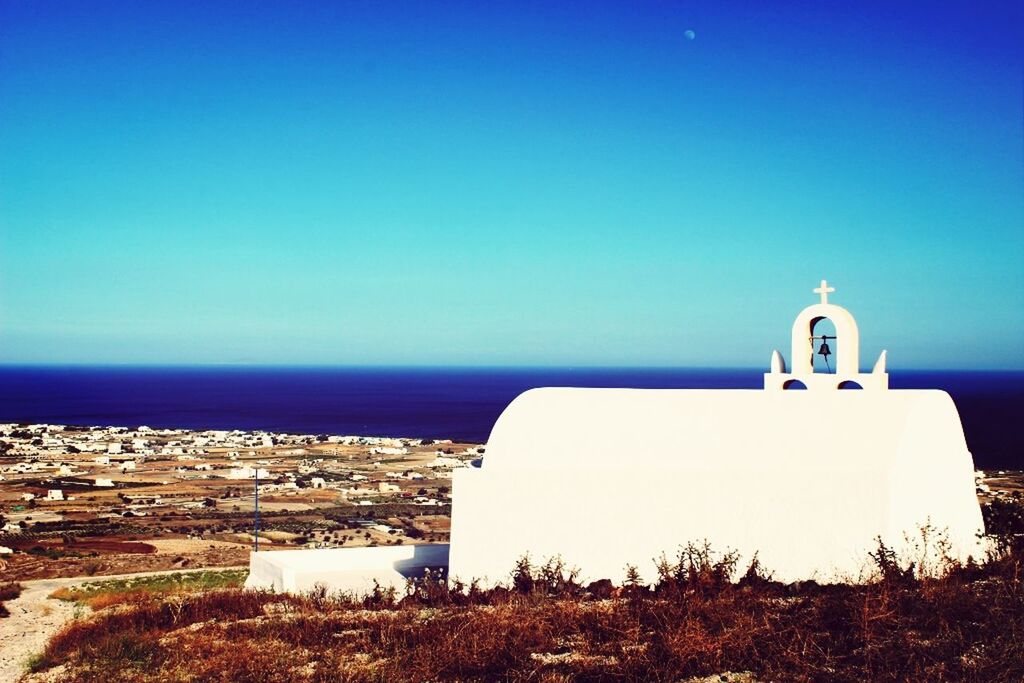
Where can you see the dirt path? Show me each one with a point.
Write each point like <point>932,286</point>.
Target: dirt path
<point>35,618</point>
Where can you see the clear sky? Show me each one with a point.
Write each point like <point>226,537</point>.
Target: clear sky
<point>508,183</point>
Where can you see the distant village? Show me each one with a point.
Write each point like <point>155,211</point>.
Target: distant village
<point>104,500</point>
<point>73,492</point>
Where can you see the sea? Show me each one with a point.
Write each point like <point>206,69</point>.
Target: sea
<point>448,403</point>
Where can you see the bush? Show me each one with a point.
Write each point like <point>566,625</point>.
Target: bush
<point>1004,525</point>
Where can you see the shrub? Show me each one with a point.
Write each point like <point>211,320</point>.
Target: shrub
<point>1004,524</point>
<point>8,591</point>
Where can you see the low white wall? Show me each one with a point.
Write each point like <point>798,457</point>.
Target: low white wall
<point>343,569</point>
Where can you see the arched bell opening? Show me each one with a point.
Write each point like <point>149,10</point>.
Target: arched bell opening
<point>849,384</point>
<point>793,384</point>
<point>822,338</point>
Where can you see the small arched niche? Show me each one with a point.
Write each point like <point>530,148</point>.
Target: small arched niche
<point>823,331</point>
<point>793,384</point>
<point>849,384</point>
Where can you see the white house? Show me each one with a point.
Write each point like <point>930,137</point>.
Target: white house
<point>445,461</point>
<point>55,494</point>
<point>353,491</point>
<point>388,450</point>
<point>248,472</point>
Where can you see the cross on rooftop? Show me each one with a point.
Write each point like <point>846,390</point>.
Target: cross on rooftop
<point>824,291</point>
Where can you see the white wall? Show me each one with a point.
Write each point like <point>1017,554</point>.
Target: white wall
<point>808,479</point>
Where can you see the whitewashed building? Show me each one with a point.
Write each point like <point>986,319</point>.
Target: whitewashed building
<point>608,478</point>
<point>807,480</point>
<point>247,472</point>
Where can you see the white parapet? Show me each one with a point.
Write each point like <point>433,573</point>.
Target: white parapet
<point>343,569</point>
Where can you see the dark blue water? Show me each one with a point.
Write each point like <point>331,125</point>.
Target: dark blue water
<point>436,402</point>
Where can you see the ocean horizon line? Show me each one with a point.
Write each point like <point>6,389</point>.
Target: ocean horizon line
<point>466,367</point>
<point>429,401</point>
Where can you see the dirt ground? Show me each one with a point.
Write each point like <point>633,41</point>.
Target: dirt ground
<point>32,621</point>
<point>22,567</point>
<point>35,618</point>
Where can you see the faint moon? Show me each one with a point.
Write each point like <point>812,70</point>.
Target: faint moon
<point>689,35</point>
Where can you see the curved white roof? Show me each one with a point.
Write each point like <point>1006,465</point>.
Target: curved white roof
<point>559,427</point>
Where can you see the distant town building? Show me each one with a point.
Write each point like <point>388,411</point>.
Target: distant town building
<point>248,473</point>
<point>388,450</point>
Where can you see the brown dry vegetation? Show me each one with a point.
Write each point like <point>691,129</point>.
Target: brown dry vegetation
<point>966,624</point>
<point>8,591</point>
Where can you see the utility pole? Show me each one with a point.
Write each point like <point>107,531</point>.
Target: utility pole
<point>257,518</point>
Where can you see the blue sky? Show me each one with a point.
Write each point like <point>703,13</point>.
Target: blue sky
<point>507,183</point>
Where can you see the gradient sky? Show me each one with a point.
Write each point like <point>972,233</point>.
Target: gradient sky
<point>508,183</point>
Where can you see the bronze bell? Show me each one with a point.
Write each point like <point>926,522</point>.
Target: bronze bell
<point>824,350</point>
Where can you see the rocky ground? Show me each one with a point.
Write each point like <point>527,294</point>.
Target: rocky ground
<point>33,620</point>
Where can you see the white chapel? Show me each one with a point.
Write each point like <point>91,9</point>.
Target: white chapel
<point>808,480</point>
<point>605,478</point>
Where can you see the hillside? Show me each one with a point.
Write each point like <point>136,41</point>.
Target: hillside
<point>704,617</point>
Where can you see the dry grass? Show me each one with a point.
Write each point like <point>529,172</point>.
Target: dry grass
<point>101,594</point>
<point>964,626</point>
<point>965,623</point>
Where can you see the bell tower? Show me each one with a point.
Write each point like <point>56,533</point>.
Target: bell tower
<point>847,374</point>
